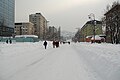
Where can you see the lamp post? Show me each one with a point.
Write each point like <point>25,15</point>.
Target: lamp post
<point>92,18</point>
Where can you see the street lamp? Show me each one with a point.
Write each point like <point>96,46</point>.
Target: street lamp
<point>92,18</point>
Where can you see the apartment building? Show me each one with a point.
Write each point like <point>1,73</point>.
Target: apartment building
<point>91,28</point>
<point>54,33</point>
<point>40,25</point>
<point>24,28</point>
<point>113,24</point>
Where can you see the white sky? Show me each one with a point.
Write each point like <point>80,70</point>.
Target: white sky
<point>69,14</point>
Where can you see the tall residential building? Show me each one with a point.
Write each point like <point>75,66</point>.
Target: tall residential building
<point>25,28</point>
<point>52,30</point>
<point>7,17</point>
<point>113,24</point>
<point>53,33</point>
<point>40,24</point>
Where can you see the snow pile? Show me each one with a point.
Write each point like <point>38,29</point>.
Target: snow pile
<point>26,36</point>
<point>103,58</point>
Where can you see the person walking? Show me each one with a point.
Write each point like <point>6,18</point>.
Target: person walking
<point>54,43</point>
<point>7,41</point>
<point>10,41</point>
<point>45,44</point>
<point>57,44</point>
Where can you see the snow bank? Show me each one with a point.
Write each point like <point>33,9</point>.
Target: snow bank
<point>104,59</point>
<point>26,36</point>
<point>80,61</point>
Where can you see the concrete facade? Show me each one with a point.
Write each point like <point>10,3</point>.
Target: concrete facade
<point>40,24</point>
<point>25,28</point>
<point>88,30</point>
<point>113,24</point>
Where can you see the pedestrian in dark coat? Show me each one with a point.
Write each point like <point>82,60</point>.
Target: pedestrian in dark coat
<point>68,42</point>
<point>45,44</point>
<point>54,43</point>
<point>10,41</point>
<point>7,41</point>
<point>57,44</point>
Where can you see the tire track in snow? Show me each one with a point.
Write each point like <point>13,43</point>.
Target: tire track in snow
<point>81,51</point>
<point>38,60</point>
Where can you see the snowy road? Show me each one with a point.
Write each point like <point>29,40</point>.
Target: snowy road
<point>80,61</point>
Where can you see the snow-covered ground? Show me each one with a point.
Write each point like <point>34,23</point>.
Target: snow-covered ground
<point>77,61</point>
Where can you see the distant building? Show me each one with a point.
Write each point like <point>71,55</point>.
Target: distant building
<point>52,33</point>
<point>88,29</point>
<point>113,24</point>
<point>25,28</point>
<point>52,29</point>
<point>7,17</point>
<point>77,36</point>
<point>40,24</point>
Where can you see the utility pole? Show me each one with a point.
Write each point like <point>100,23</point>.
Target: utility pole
<point>92,18</point>
<point>59,32</point>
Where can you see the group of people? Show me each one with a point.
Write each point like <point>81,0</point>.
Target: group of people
<point>9,41</point>
<point>55,44</point>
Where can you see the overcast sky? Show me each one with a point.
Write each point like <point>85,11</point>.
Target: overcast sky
<point>69,14</point>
